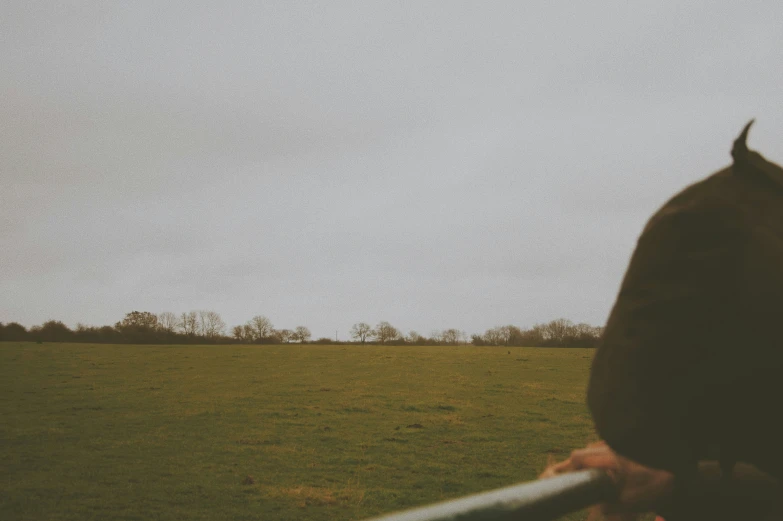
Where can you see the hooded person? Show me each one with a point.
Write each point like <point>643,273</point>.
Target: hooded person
<point>690,364</point>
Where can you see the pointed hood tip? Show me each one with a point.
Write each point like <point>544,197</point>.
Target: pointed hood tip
<point>740,144</point>
<point>745,130</point>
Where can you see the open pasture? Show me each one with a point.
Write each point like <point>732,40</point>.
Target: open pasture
<point>275,432</point>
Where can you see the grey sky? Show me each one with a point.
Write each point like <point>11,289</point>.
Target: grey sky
<point>433,164</point>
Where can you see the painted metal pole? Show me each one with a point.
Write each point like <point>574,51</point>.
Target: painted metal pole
<point>541,500</point>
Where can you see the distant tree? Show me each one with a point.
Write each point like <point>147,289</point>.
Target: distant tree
<point>210,324</point>
<point>248,332</point>
<point>495,336</point>
<point>139,327</point>
<point>14,332</point>
<point>216,325</point>
<point>385,332</point>
<point>104,335</point>
<point>514,335</point>
<point>34,333</point>
<point>262,327</point>
<point>534,336</point>
<point>585,335</point>
<point>415,338</point>
<point>167,321</point>
<point>502,336</point>
<point>451,336</point>
<point>557,332</point>
<point>302,334</point>
<point>201,325</point>
<point>361,331</point>
<point>54,331</point>
<point>506,334</point>
<point>284,336</point>
<point>598,331</point>
<point>587,331</point>
<point>139,320</point>
<point>83,333</point>
<point>108,334</point>
<point>238,332</point>
<point>188,323</point>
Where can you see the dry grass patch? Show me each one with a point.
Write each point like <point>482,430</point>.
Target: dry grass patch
<point>453,419</point>
<point>304,496</point>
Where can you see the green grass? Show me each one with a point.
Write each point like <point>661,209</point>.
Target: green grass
<point>275,432</point>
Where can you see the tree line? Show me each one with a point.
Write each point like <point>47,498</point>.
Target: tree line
<point>207,327</point>
<point>557,333</point>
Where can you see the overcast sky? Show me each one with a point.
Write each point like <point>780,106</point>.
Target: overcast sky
<point>433,164</point>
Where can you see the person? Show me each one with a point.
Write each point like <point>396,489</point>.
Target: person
<point>689,369</point>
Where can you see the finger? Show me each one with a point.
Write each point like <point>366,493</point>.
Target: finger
<point>595,457</point>
<point>557,468</point>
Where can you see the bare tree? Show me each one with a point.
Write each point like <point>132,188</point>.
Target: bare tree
<point>361,331</point>
<point>167,321</point>
<point>534,336</point>
<point>238,332</point>
<point>216,324</point>
<point>495,336</point>
<point>284,335</point>
<point>415,338</point>
<point>201,322</point>
<point>302,334</point>
<point>558,330</point>
<point>501,336</point>
<point>210,324</point>
<point>188,323</point>
<point>584,335</point>
<point>586,330</point>
<point>451,336</point>
<point>515,336</point>
<point>385,332</point>
<point>505,334</point>
<point>262,326</point>
<point>248,332</point>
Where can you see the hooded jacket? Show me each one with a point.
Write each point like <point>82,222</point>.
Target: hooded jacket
<point>690,365</point>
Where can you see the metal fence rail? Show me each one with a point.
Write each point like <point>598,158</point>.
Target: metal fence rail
<point>542,500</point>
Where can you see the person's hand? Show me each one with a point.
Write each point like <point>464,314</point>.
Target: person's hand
<point>639,488</point>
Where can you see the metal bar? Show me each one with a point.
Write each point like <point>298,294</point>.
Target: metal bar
<point>541,500</point>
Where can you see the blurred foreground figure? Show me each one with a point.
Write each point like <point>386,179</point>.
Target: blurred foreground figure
<point>690,366</point>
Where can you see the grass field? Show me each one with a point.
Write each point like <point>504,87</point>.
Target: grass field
<point>275,432</point>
